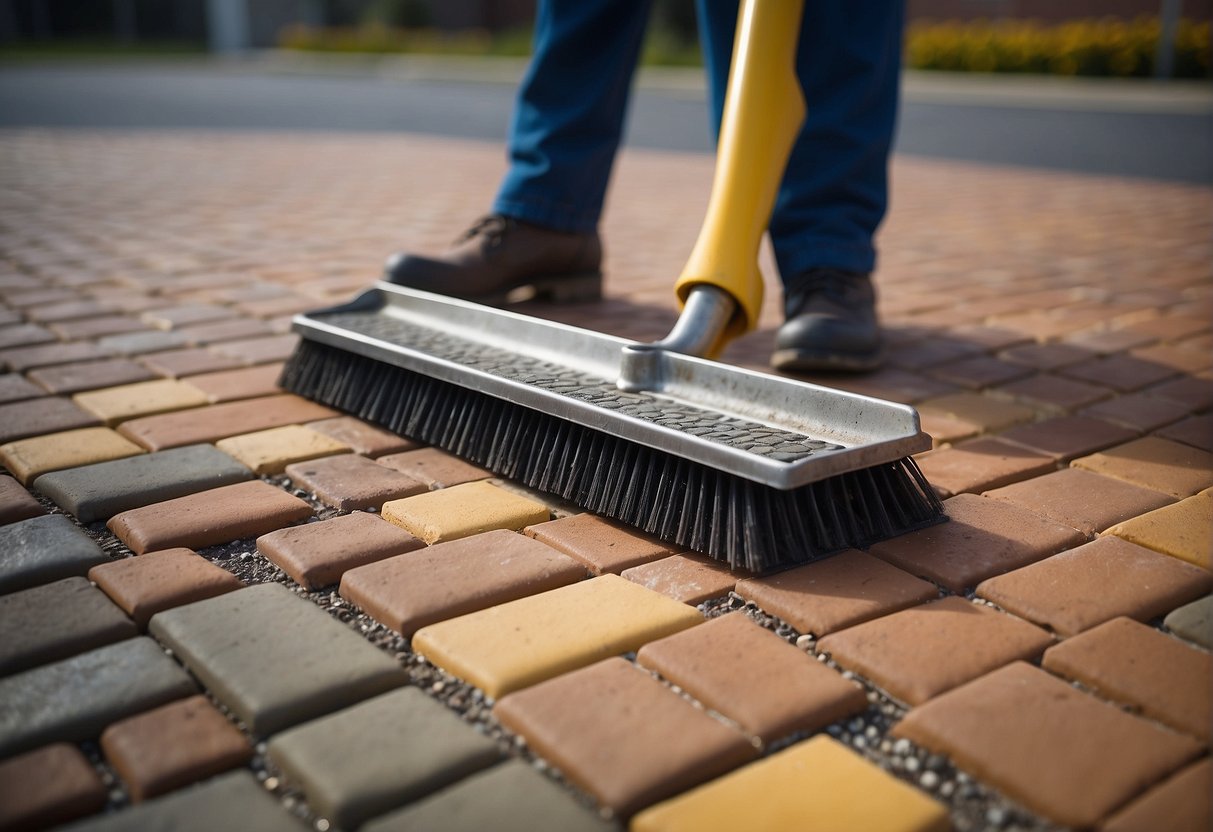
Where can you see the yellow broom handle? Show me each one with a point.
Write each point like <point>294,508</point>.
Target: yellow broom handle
<point>763,111</point>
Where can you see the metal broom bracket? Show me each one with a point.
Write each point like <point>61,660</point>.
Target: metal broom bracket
<point>707,312</point>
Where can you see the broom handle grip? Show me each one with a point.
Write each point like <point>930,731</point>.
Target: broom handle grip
<point>763,111</point>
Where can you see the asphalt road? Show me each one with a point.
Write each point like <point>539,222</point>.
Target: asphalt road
<point>1131,138</point>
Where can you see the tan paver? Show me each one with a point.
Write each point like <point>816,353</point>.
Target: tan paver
<point>689,578</point>
<point>989,414</point>
<point>77,377</point>
<point>365,439</point>
<point>602,545</point>
<point>1060,752</point>
<point>755,678</point>
<point>96,327</point>
<point>172,746</point>
<point>318,554</point>
<point>49,414</point>
<point>521,643</point>
<point>1080,499</point>
<point>844,792</point>
<point>462,511</point>
<point>246,509</point>
<point>1193,622</point>
<point>244,383</point>
<point>1070,592</point>
<point>837,592</point>
<point>187,361</point>
<point>451,579</point>
<point>1066,437</point>
<point>49,786</point>
<point>232,329</point>
<point>1183,801</point>
<point>1156,675</point>
<point>434,467</point>
<point>622,736</point>
<point>175,317</point>
<point>259,350</point>
<point>1183,530</point>
<point>982,538</point>
<point>1160,464</point>
<point>270,451</point>
<point>114,405</point>
<point>350,482</point>
<point>29,458</point>
<point>919,653</point>
<point>161,580</point>
<point>16,503</point>
<point>172,430</point>
<point>980,464</point>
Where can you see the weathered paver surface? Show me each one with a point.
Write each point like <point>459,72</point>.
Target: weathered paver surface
<point>1055,331</point>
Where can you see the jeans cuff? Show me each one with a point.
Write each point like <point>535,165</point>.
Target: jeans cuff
<point>547,214</point>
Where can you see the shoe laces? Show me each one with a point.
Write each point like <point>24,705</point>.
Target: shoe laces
<point>491,226</point>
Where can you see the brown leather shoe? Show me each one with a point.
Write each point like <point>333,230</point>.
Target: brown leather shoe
<point>503,260</point>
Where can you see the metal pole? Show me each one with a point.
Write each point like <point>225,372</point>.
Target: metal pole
<point>1164,56</point>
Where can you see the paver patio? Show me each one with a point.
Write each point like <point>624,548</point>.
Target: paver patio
<point>1054,330</point>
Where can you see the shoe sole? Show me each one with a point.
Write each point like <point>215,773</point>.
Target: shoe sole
<point>803,361</point>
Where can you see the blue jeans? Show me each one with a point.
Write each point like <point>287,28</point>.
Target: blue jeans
<point>568,120</point>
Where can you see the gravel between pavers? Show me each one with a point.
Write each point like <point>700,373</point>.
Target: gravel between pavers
<point>972,805</point>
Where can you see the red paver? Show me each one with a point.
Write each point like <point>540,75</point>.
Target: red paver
<point>1159,464</point>
<point>620,735</point>
<point>434,467</point>
<point>50,414</point>
<point>47,355</point>
<point>363,438</point>
<point>987,413</point>
<point>1046,356</point>
<point>97,327</point>
<point>24,335</point>
<point>1156,675</point>
<point>66,379</point>
<point>246,509</point>
<point>16,503</point>
<point>1066,437</point>
<point>1179,358</point>
<point>1082,500</point>
<point>145,585</point>
<point>980,372</point>
<point>14,388</point>
<point>689,578</point>
<point>229,330</point>
<point>1137,411</point>
<point>982,538</point>
<point>318,554</point>
<point>259,350</point>
<point>600,544</point>
<point>837,592</point>
<point>172,430</point>
<point>919,653</point>
<point>350,482</point>
<point>172,746</point>
<point>189,361</point>
<point>175,317</point>
<point>1060,752</point>
<point>1196,431</point>
<point>52,785</point>
<point>752,676</point>
<point>1120,372</point>
<point>1071,592</point>
<point>1053,392</point>
<point>981,464</point>
<point>244,383</point>
<point>450,579</point>
<point>1183,801</point>
<point>1170,327</point>
<point>1193,392</point>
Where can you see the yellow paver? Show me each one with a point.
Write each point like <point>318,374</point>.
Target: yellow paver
<point>1183,530</point>
<point>819,784</point>
<point>29,458</point>
<point>462,511</point>
<point>1170,467</point>
<point>270,451</point>
<point>144,398</point>
<point>515,645</point>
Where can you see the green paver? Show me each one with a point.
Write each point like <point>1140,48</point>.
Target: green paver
<point>517,644</point>
<point>44,549</point>
<point>233,801</point>
<point>1193,622</point>
<point>47,623</point>
<point>379,755</point>
<point>98,492</point>
<point>74,699</point>
<point>511,797</point>
<point>273,657</point>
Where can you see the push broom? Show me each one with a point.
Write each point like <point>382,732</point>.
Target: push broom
<point>755,470</point>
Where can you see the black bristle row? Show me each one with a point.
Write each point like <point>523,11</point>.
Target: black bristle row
<point>746,524</point>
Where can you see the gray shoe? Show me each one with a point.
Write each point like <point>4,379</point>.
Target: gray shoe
<point>501,259</point>
<point>831,324</point>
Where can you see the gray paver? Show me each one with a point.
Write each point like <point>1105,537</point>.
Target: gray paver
<point>379,755</point>
<point>1193,622</point>
<point>50,414</point>
<point>15,388</point>
<point>273,657</point>
<point>74,699</point>
<point>511,797</point>
<point>44,549</point>
<point>230,802</point>
<point>98,492</point>
<point>55,621</point>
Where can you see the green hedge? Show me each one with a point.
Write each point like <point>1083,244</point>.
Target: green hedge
<point>1087,47</point>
